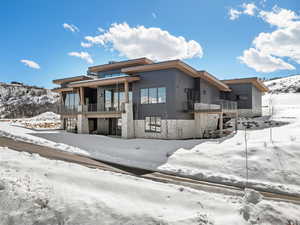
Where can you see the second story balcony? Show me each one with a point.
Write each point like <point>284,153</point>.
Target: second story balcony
<point>224,106</point>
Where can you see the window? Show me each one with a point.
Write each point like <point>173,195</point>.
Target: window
<point>153,95</point>
<point>153,124</point>
<point>114,75</point>
<point>144,96</point>
<point>108,99</point>
<point>71,100</point>
<point>161,95</point>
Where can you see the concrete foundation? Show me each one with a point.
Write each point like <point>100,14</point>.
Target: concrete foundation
<point>82,124</point>
<point>205,122</point>
<point>170,129</point>
<point>127,122</point>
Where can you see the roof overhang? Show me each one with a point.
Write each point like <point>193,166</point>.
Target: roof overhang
<point>71,79</point>
<point>116,65</point>
<point>104,82</point>
<point>58,90</point>
<point>177,64</point>
<point>253,80</point>
<point>214,81</point>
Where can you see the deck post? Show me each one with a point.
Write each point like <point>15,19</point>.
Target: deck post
<point>126,88</point>
<point>81,95</point>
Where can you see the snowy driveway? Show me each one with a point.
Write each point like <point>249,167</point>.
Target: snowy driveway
<point>142,153</point>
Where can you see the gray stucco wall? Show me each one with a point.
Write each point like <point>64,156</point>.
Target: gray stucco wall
<point>256,99</point>
<point>208,92</point>
<point>175,82</point>
<point>244,91</point>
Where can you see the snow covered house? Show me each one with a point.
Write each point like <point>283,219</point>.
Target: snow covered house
<point>141,98</point>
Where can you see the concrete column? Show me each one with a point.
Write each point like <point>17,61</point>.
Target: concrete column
<point>82,124</point>
<point>221,124</point>
<point>127,122</point>
<point>126,88</point>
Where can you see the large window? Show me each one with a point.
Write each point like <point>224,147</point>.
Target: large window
<point>114,99</point>
<point>153,95</point>
<point>71,100</point>
<point>153,124</point>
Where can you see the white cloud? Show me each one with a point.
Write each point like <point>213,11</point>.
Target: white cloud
<point>100,29</point>
<point>263,62</point>
<point>85,45</point>
<point>30,64</point>
<point>154,43</point>
<point>249,9</point>
<point>83,55</point>
<point>271,49</point>
<point>70,27</point>
<point>284,42</point>
<point>279,17</point>
<point>154,15</point>
<point>234,14</point>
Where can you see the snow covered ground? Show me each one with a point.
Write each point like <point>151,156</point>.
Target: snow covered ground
<point>35,190</point>
<point>273,154</point>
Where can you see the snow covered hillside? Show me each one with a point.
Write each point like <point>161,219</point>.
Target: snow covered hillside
<point>289,84</point>
<point>35,190</point>
<point>18,100</point>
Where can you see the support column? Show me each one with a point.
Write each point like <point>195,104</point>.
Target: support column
<point>221,124</point>
<point>126,88</point>
<point>81,95</point>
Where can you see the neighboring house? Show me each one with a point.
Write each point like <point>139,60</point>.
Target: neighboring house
<point>140,98</point>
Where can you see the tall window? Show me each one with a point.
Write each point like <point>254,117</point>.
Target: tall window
<point>71,100</point>
<point>153,95</point>
<point>153,124</point>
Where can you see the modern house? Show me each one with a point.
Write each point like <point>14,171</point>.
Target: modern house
<point>144,99</point>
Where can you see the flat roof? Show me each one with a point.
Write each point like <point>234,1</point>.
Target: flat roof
<point>115,65</point>
<point>178,64</point>
<point>104,81</point>
<point>71,79</point>
<point>254,80</point>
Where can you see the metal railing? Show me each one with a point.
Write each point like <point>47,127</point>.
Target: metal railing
<point>62,109</point>
<point>101,108</point>
<point>216,106</point>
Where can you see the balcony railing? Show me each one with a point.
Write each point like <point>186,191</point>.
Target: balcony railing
<point>216,106</point>
<point>62,109</point>
<point>102,108</point>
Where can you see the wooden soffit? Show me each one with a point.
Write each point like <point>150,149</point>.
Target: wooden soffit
<point>116,65</point>
<point>71,79</point>
<point>214,81</point>
<point>66,89</point>
<point>104,82</point>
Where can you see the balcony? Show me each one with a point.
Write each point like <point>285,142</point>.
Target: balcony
<point>219,106</point>
<point>100,108</point>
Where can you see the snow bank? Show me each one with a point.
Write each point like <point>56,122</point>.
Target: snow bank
<point>273,154</point>
<point>10,130</point>
<point>34,190</point>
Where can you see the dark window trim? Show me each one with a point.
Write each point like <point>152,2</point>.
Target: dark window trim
<point>148,103</point>
<point>156,125</point>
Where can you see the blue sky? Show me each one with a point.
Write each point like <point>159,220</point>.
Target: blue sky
<point>33,30</point>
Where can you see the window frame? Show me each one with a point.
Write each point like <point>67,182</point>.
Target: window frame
<point>157,101</point>
<point>153,124</point>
